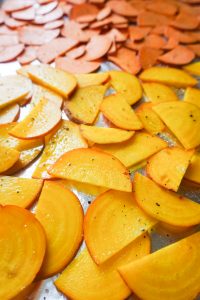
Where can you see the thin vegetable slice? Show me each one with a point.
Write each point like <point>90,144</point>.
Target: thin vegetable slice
<point>101,281</point>
<point>183,119</point>
<point>8,158</point>
<point>78,66</point>
<point>92,79</point>
<point>173,259</point>
<point>63,224</point>
<point>9,53</point>
<point>169,175</point>
<point>23,245</point>
<point>93,167</point>
<point>40,92</point>
<point>35,35</point>
<point>19,191</point>
<point>192,95</point>
<point>158,92</point>
<point>97,47</point>
<point>116,109</point>
<point>192,172</point>
<point>193,68</point>
<point>66,138</point>
<point>180,55</point>
<point>9,114</point>
<point>164,205</point>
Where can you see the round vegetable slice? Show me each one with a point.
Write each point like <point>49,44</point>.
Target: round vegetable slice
<point>9,53</point>
<point>97,47</point>
<point>8,158</point>
<point>158,92</point>
<point>180,55</point>
<point>78,66</point>
<point>22,247</point>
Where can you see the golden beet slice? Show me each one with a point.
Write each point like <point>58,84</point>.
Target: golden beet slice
<point>192,95</point>
<point>127,84</point>
<point>40,92</point>
<point>40,121</point>
<point>158,92</point>
<point>183,119</point>
<point>57,80</point>
<point>192,172</point>
<point>9,114</point>
<point>170,76</point>
<point>93,167</point>
<point>102,135</point>
<point>172,272</point>
<point>22,247</point>
<point>84,104</point>
<point>164,205</point>
<point>101,281</point>
<point>66,138</point>
<point>112,222</point>
<point>168,167</point>
<point>193,68</point>
<point>19,191</point>
<point>92,79</point>
<point>116,109</point>
<point>63,224</point>
<point>141,146</point>
<point>9,157</point>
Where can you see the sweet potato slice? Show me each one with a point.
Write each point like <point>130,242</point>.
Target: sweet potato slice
<point>78,66</point>
<point>169,76</point>
<point>45,113</point>
<point>92,79</point>
<point>84,104</point>
<point>101,281</point>
<point>40,92</point>
<point>158,92</point>
<point>66,138</point>
<point>150,120</point>
<point>101,135</point>
<point>148,56</point>
<point>126,84</point>
<point>183,119</point>
<point>19,191</point>
<point>9,114</point>
<point>93,167</point>
<point>9,53</point>
<point>165,8</point>
<point>64,233</point>
<point>10,5</point>
<point>76,52</point>
<point>141,146</point>
<point>137,33</point>
<point>57,80</point>
<point>193,68</point>
<point>192,95</point>
<point>35,35</point>
<point>8,158</point>
<point>185,21</point>
<point>192,172</point>
<point>116,109</point>
<point>97,47</point>
<point>122,8</point>
<point>180,258</point>
<point>164,205</point>
<point>180,55</point>
<point>47,8</point>
<point>168,167</point>
<point>112,222</point>
<point>25,14</point>
<point>22,247</point>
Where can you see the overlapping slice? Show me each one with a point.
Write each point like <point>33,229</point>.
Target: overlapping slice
<point>127,84</point>
<point>40,92</point>
<point>101,135</point>
<point>164,205</point>
<point>168,167</point>
<point>103,282</point>
<point>40,121</point>
<point>18,191</point>
<point>172,272</point>
<point>192,96</point>
<point>9,157</point>
<point>112,222</point>
<point>116,109</point>
<point>61,214</point>
<point>169,76</point>
<point>9,114</point>
<point>93,167</point>
<point>22,247</point>
<point>92,79</point>
<point>192,172</point>
<point>158,92</point>
<point>183,119</point>
<point>84,104</point>
<point>57,80</point>
<point>141,146</point>
<point>193,68</point>
<point>66,138</point>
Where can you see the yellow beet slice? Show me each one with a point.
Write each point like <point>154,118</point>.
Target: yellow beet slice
<point>158,92</point>
<point>102,135</point>
<point>8,158</point>
<point>66,138</point>
<point>92,79</point>
<point>40,121</point>
<point>93,167</point>
<point>116,109</point>
<point>192,95</point>
<point>183,119</point>
<point>112,222</point>
<point>192,172</point>
<point>127,84</point>
<point>193,68</point>
<point>150,120</point>
<point>13,88</point>
<point>9,114</point>
<point>40,92</point>
<point>170,76</point>
<point>164,205</point>
<point>22,247</point>
<point>168,167</point>
<point>61,215</point>
<point>172,272</point>
<point>57,80</point>
<point>102,282</point>
<point>138,148</point>
<point>18,191</point>
<point>84,104</point>
<point>29,149</point>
